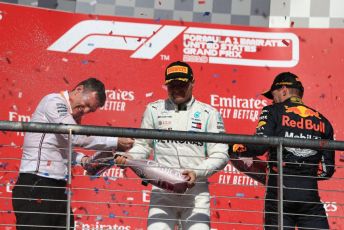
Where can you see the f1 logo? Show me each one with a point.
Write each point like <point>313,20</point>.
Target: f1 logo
<point>146,39</point>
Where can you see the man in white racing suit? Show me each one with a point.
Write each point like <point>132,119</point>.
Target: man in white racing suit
<point>181,111</point>
<point>43,168</point>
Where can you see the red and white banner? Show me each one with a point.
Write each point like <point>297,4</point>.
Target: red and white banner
<point>44,51</point>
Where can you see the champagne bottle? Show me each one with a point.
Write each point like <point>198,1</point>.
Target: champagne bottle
<point>150,171</point>
<point>159,175</point>
<point>250,166</point>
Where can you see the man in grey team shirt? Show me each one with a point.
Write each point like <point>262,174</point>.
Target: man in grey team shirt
<point>43,168</point>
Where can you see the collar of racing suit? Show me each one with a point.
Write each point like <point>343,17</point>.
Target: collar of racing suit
<point>169,105</point>
<point>295,99</point>
<point>65,95</point>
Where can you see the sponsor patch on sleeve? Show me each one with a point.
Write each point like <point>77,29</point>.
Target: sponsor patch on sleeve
<point>62,109</point>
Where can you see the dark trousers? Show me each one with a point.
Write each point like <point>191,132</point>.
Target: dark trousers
<point>302,215</point>
<point>301,207</point>
<point>32,210</point>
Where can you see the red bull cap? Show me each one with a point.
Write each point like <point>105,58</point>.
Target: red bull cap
<point>287,79</point>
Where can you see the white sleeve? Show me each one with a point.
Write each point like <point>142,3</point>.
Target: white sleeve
<point>217,152</point>
<point>143,147</point>
<point>56,111</point>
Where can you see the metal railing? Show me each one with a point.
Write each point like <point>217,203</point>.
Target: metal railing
<point>277,142</point>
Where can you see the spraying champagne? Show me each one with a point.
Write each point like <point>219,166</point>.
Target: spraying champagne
<point>150,171</point>
<point>159,175</point>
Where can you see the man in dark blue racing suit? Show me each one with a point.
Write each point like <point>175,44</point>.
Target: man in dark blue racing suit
<point>289,117</point>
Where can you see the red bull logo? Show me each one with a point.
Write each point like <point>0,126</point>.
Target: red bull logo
<point>303,124</point>
<point>302,111</point>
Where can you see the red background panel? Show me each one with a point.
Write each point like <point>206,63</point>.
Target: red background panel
<point>29,71</point>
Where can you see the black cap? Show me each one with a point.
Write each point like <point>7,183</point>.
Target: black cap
<point>178,71</point>
<point>287,79</point>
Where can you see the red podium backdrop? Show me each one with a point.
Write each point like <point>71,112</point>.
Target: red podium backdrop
<point>44,51</point>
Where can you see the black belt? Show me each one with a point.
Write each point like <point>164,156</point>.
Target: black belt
<point>33,177</point>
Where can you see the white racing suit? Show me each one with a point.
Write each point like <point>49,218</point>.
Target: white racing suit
<point>192,207</point>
